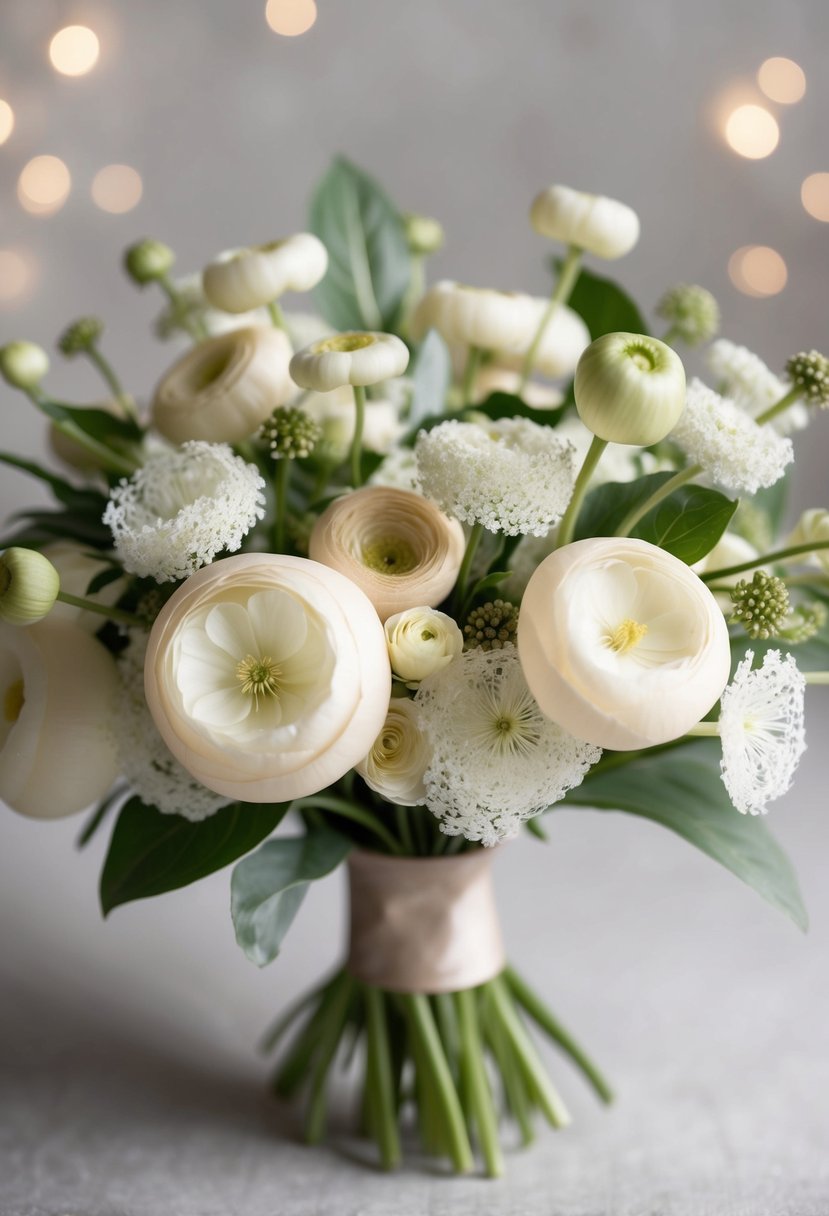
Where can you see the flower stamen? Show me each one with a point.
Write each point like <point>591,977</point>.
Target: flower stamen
<point>625,636</point>
<point>258,677</point>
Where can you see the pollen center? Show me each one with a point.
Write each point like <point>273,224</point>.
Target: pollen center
<point>258,677</point>
<point>344,342</point>
<point>641,355</point>
<point>625,636</point>
<point>389,555</point>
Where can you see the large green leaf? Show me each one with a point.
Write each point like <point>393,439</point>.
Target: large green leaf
<point>150,853</point>
<point>688,523</point>
<point>431,375</point>
<point>83,501</point>
<point>681,790</point>
<point>506,405</point>
<point>604,307</point>
<point>369,268</point>
<point>99,424</point>
<point>267,888</point>
<point>605,507</point>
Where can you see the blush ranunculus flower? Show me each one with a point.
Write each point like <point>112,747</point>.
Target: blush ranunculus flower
<point>267,676</point>
<point>621,643</point>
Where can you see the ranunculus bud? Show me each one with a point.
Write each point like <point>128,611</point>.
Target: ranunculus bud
<point>23,364</point>
<point>148,260</point>
<point>621,643</point>
<point>630,389</point>
<point>600,225</point>
<point>477,316</point>
<point>359,358</point>
<point>399,757</point>
<point>29,586</point>
<point>244,279</point>
<point>423,234</point>
<point>421,641</point>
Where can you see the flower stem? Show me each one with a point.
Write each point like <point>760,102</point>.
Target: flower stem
<point>473,1072</point>
<point>665,490</point>
<point>533,1070</point>
<point>404,830</point>
<point>195,326</point>
<point>434,1059</point>
<point>104,455</point>
<point>472,543</point>
<point>785,401</point>
<point>277,315</point>
<point>779,555</point>
<point>517,1097</point>
<point>568,520</point>
<point>111,380</point>
<point>816,677</point>
<point>470,372</point>
<point>379,1079</point>
<point>357,441</point>
<point>330,1034</point>
<point>115,614</point>
<point>670,335</point>
<point>281,478</point>
<point>348,810</point>
<point>570,270</point>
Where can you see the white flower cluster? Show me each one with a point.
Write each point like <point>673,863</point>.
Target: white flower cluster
<point>512,476</point>
<point>761,730</point>
<point>144,758</point>
<point>183,507</point>
<point>497,761</point>
<point>735,452</point>
<point>744,378</point>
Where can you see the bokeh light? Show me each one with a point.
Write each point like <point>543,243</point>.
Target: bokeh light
<point>74,50</point>
<point>782,80</point>
<point>6,120</point>
<point>814,194</point>
<point>16,275</point>
<point>757,270</point>
<point>43,185</point>
<point>752,131</point>
<point>117,188</point>
<point>290,17</point>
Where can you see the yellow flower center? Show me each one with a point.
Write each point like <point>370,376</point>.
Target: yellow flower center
<point>389,555</point>
<point>344,342</point>
<point>13,701</point>
<point>625,636</point>
<point>642,355</point>
<point>258,677</point>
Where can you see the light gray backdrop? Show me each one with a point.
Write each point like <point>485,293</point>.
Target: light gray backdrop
<point>130,1083</point>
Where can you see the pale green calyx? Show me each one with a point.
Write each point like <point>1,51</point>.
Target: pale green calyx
<point>761,605</point>
<point>423,234</point>
<point>692,313</point>
<point>29,586</point>
<point>491,626</point>
<point>290,433</point>
<point>23,364</point>
<point>148,260</point>
<point>803,622</point>
<point>809,371</point>
<point>629,388</point>
<point>80,336</point>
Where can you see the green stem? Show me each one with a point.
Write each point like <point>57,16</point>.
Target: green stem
<point>111,380</point>
<point>532,1068</point>
<point>516,1097</point>
<point>380,1080</point>
<point>665,490</point>
<point>434,1058</point>
<point>704,730</point>
<point>785,401</point>
<point>281,478</point>
<point>539,1012</point>
<point>288,1017</point>
<point>816,677</point>
<point>473,1071</point>
<point>277,315</point>
<point>767,559</point>
<point>570,270</point>
<point>357,441</point>
<point>330,1034</point>
<point>401,816</point>
<point>475,534</point>
<point>348,810</point>
<point>293,1069</point>
<point>670,335</point>
<point>470,372</point>
<point>195,326</point>
<point>105,456</point>
<point>115,614</point>
<point>568,521</point>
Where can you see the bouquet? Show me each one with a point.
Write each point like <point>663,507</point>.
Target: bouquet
<point>403,575</point>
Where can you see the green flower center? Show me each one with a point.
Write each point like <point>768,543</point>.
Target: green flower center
<point>389,555</point>
<point>642,355</point>
<point>344,342</point>
<point>259,677</point>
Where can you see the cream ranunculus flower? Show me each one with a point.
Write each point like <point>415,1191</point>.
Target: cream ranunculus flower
<point>812,528</point>
<point>267,676</point>
<point>621,643</point>
<point>421,641</point>
<point>563,340</point>
<point>223,389</point>
<point>398,547</point>
<point>57,693</point>
<point>356,358</point>
<point>243,279</point>
<point>477,316</point>
<point>399,757</point>
<point>600,225</point>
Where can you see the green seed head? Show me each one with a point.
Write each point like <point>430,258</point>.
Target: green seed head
<point>803,622</point>
<point>760,605</point>
<point>692,312</point>
<point>423,234</point>
<point>491,626</point>
<point>81,335</point>
<point>148,260</point>
<point>810,372</point>
<point>290,433</point>
<point>23,364</point>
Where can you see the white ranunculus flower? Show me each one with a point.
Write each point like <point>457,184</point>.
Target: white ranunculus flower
<point>57,689</point>
<point>813,528</point>
<point>244,279</point>
<point>77,568</point>
<point>421,641</point>
<point>477,316</point>
<point>564,338</point>
<point>359,359</point>
<point>267,676</point>
<point>621,643</point>
<point>600,225</point>
<point>399,757</point>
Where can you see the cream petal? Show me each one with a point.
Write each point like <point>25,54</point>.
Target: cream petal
<point>225,707</point>
<point>279,624</point>
<point>228,626</point>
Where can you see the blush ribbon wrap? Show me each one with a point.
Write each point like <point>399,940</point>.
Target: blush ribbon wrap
<point>423,924</point>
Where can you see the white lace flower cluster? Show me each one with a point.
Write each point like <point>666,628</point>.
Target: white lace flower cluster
<point>497,761</point>
<point>144,758</point>
<point>182,508</point>
<point>512,476</point>
<point>761,730</point>
<point>735,452</point>
<point>744,378</point>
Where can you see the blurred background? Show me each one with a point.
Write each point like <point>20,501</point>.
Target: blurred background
<point>207,123</point>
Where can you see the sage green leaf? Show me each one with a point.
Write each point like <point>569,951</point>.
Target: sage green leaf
<point>506,405</point>
<point>606,506</point>
<point>99,424</point>
<point>82,501</point>
<point>681,789</point>
<point>604,307</point>
<point>150,853</point>
<point>267,888</point>
<point>431,375</point>
<point>369,268</point>
<point>688,523</point>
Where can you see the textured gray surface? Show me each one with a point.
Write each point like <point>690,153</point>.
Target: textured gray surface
<point>128,1083</point>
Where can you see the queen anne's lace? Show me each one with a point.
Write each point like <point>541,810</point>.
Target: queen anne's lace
<point>183,507</point>
<point>512,476</point>
<point>497,760</point>
<point>744,378</point>
<point>730,446</point>
<point>761,730</point>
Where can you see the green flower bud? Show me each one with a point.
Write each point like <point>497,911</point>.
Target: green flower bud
<point>630,389</point>
<point>423,234</point>
<point>803,622</point>
<point>760,605</point>
<point>29,586</point>
<point>148,260</point>
<point>692,313</point>
<point>81,335</point>
<point>810,372</point>
<point>23,364</point>
<point>491,626</point>
<point>290,433</point>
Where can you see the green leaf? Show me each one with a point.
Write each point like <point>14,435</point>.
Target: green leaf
<point>604,307</point>
<point>86,501</point>
<point>369,267</point>
<point>506,405</point>
<point>606,506</point>
<point>150,853</point>
<point>267,888</point>
<point>431,376</point>
<point>103,579</point>
<point>682,790</point>
<point>106,428</point>
<point>688,523</point>
<point>46,525</point>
